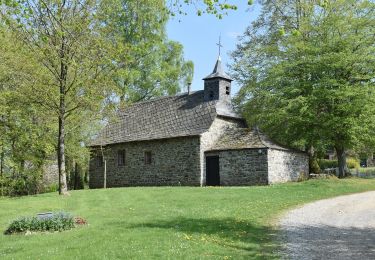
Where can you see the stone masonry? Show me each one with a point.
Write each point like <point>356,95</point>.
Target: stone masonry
<point>242,167</point>
<point>286,166</point>
<point>209,139</point>
<point>174,161</point>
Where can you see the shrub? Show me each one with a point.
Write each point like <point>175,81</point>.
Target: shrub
<point>57,222</point>
<point>325,164</point>
<point>314,166</point>
<point>28,183</point>
<point>51,188</point>
<point>352,163</point>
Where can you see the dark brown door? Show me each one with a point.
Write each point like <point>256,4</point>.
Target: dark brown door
<point>212,171</point>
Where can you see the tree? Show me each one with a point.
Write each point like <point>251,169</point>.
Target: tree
<point>26,130</point>
<point>64,38</point>
<point>148,64</point>
<point>88,54</point>
<point>308,71</point>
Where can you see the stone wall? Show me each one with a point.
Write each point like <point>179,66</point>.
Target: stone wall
<point>209,138</point>
<point>286,166</point>
<point>175,161</point>
<point>242,167</point>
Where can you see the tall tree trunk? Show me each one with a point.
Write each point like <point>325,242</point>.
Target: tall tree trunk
<point>63,187</point>
<point>341,157</point>
<point>1,171</point>
<point>1,162</point>
<point>76,176</point>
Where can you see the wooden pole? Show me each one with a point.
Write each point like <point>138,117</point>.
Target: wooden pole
<point>105,174</point>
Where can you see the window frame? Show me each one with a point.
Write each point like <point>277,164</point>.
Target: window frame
<point>227,90</point>
<point>121,157</point>
<point>99,160</point>
<point>147,157</point>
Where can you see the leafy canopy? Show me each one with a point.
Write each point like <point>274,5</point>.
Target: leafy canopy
<point>308,72</point>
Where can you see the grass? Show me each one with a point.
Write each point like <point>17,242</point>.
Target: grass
<point>368,172</point>
<point>165,222</point>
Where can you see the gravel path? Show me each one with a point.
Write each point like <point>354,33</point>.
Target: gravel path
<point>338,228</point>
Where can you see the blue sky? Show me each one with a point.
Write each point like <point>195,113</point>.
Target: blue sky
<point>199,35</point>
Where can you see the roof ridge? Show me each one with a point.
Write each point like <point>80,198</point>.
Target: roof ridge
<point>256,129</point>
<point>123,109</point>
<point>161,117</point>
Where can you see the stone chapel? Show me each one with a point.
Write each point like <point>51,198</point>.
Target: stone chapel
<point>191,139</point>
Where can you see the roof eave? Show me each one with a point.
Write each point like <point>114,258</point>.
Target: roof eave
<point>217,77</point>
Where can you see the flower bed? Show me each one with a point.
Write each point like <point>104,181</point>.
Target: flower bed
<point>45,222</point>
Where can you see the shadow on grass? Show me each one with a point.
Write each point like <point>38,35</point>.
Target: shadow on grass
<point>255,240</point>
<point>327,242</point>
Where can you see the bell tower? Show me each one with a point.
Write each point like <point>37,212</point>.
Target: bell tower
<point>217,85</point>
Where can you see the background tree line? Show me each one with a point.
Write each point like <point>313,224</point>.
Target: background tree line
<point>65,67</point>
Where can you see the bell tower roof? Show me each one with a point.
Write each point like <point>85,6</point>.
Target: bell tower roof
<point>218,72</point>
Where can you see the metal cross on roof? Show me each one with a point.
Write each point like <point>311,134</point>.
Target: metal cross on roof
<point>219,44</point>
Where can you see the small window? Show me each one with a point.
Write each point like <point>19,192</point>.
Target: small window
<point>121,157</point>
<point>148,157</point>
<point>227,90</point>
<point>211,95</point>
<point>99,160</point>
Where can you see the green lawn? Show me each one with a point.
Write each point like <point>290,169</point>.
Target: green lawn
<point>165,222</point>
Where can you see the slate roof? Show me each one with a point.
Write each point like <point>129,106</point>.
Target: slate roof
<point>244,138</point>
<point>218,72</point>
<point>164,117</point>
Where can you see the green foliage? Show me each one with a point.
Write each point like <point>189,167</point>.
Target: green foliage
<point>26,130</point>
<point>76,177</point>
<point>367,173</point>
<point>352,163</point>
<point>51,188</point>
<point>163,222</point>
<point>369,170</point>
<point>146,62</point>
<point>315,87</point>
<point>314,166</point>
<point>63,71</point>
<point>219,8</point>
<point>326,164</point>
<point>27,183</point>
<point>59,221</point>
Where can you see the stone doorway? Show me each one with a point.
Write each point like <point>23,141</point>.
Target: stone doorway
<point>212,171</point>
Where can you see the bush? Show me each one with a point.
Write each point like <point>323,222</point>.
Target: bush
<point>314,166</point>
<point>57,222</point>
<point>325,164</point>
<point>51,188</point>
<point>28,183</point>
<point>352,163</point>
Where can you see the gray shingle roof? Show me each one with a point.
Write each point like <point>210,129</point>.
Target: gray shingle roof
<point>164,117</point>
<point>244,138</point>
<point>218,72</point>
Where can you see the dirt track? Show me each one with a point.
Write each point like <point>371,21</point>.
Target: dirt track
<point>337,228</point>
